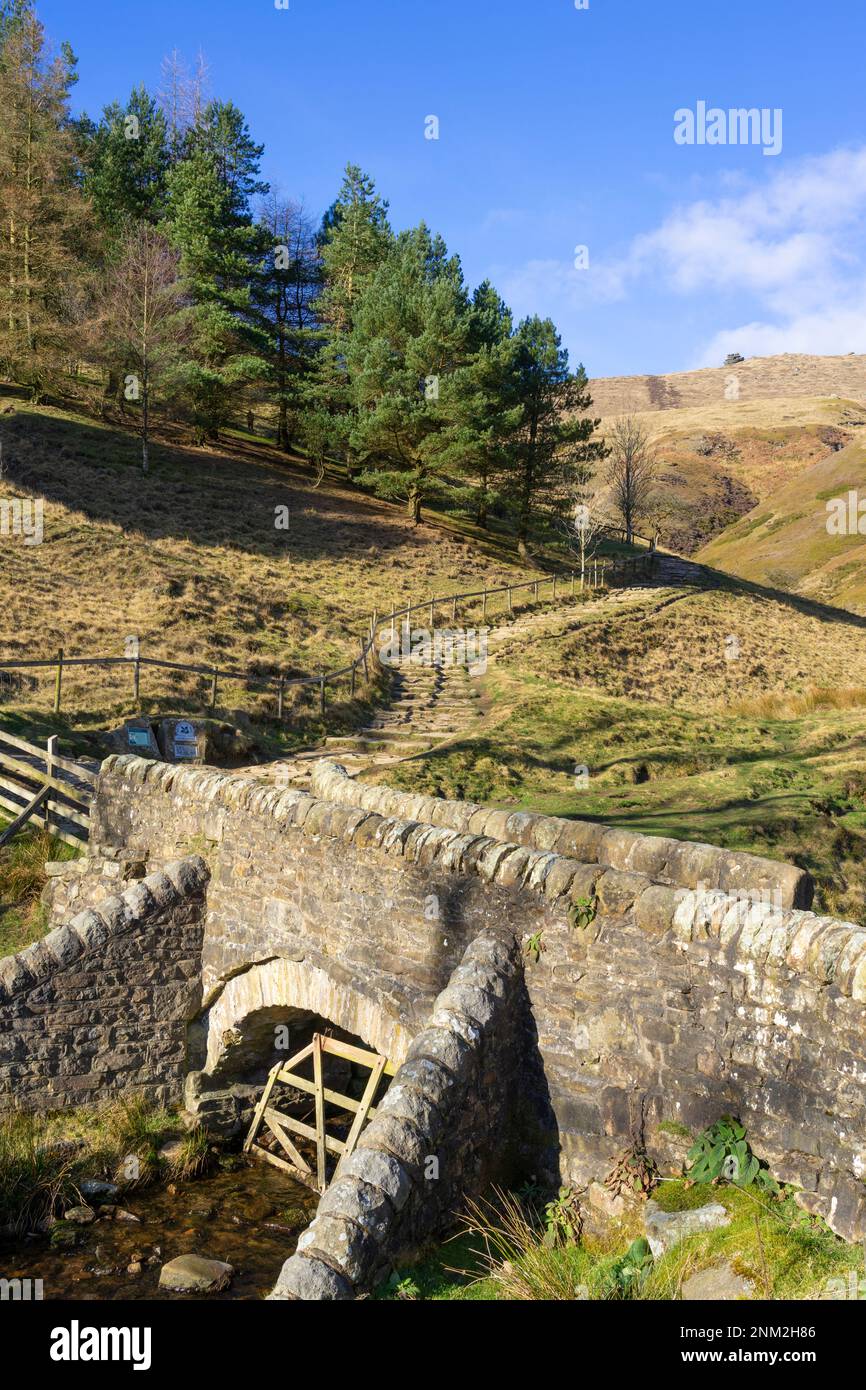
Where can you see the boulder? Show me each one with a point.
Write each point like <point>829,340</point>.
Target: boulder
<point>665,1229</point>
<point>718,1283</point>
<point>194,1274</point>
<point>81,1216</point>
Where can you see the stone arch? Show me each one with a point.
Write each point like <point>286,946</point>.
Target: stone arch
<point>279,988</point>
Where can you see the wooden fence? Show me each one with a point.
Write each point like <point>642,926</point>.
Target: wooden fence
<point>38,784</point>
<point>558,585</point>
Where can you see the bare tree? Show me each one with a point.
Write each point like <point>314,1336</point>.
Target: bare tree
<point>141,322</point>
<point>585,529</point>
<point>631,471</point>
<point>183,96</point>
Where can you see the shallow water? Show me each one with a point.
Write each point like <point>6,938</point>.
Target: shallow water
<point>250,1218</point>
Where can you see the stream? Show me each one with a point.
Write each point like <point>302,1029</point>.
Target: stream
<point>250,1217</point>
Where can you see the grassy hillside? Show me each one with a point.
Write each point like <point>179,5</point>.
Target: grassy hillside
<point>189,559</point>
<point>759,378</point>
<point>784,540</point>
<point>755,753</point>
<point>721,457</point>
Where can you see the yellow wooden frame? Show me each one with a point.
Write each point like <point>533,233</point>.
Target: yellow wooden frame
<point>282,1126</point>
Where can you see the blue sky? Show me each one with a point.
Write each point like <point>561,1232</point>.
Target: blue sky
<point>556,130</point>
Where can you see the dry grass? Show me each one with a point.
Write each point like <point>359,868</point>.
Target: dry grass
<point>785,378</point>
<point>189,559</point>
<point>22,878</point>
<point>718,651</point>
<point>785,541</point>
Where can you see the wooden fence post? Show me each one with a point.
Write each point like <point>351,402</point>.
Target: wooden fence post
<point>431,615</point>
<point>51,749</point>
<point>57,681</point>
<point>322,691</point>
<point>454,610</point>
<point>136,679</point>
<point>510,604</point>
<point>213,690</point>
<point>353,681</point>
<point>536,591</point>
<point>364,655</point>
<point>572,583</point>
<point>280,688</point>
<point>484,607</point>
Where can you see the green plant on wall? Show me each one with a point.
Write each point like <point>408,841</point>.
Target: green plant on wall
<point>563,1220</point>
<point>582,911</point>
<point>721,1153</point>
<point>534,946</point>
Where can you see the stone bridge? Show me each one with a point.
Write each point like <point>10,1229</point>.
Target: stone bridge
<point>674,983</point>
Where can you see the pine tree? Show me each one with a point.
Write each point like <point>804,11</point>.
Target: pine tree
<point>284,295</point>
<point>354,240</point>
<point>126,162</point>
<point>480,403</point>
<point>42,213</point>
<point>554,446</point>
<point>410,330</point>
<point>209,221</point>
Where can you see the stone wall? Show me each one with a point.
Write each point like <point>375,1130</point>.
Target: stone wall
<point>443,1129</point>
<point>101,1005</point>
<point>682,863</point>
<point>665,1005</point>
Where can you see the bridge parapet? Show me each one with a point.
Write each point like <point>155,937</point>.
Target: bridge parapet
<point>653,1007</point>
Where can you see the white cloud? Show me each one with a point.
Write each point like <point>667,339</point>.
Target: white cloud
<point>793,244</point>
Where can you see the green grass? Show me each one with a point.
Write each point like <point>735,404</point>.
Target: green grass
<point>775,775</point>
<point>784,1253</point>
<point>768,786</point>
<point>22,877</point>
<point>44,1157</point>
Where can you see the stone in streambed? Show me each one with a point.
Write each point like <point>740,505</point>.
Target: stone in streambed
<point>194,1274</point>
<point>81,1216</point>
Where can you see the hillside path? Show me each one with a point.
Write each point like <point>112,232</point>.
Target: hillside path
<point>436,703</point>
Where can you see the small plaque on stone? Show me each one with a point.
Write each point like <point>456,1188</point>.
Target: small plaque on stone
<point>182,741</point>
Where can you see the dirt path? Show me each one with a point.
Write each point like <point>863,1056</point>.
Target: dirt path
<point>434,703</point>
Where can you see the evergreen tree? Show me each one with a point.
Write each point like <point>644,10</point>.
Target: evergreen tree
<point>480,403</point>
<point>210,222</point>
<point>554,446</point>
<point>42,214</point>
<point>410,330</point>
<point>284,294</point>
<point>126,162</point>
<point>354,240</point>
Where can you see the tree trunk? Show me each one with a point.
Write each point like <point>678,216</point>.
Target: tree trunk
<point>145,422</point>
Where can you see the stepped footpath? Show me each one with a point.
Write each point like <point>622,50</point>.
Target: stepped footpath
<point>433,703</point>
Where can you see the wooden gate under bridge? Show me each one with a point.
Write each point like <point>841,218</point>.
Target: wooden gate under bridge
<point>283,1126</point>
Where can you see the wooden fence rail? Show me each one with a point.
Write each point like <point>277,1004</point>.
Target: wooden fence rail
<point>39,784</point>
<point>596,574</point>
